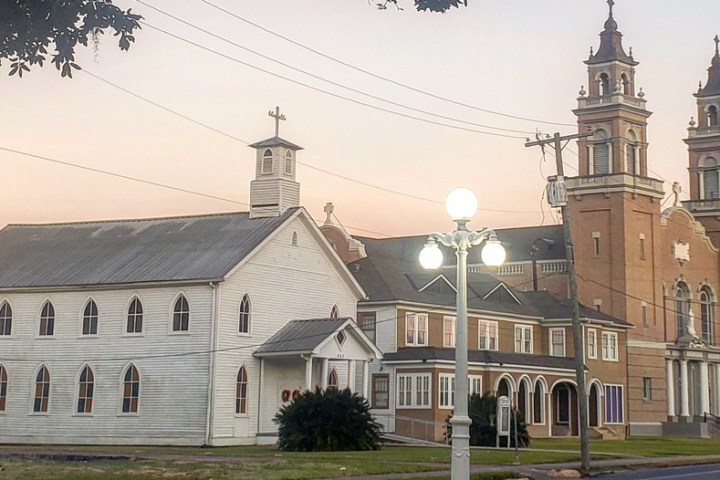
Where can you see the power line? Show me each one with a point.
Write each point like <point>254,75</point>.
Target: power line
<point>305,164</point>
<point>326,92</point>
<point>323,79</point>
<point>379,77</point>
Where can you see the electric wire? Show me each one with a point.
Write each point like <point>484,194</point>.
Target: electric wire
<point>380,77</point>
<point>305,164</point>
<point>323,79</point>
<point>321,90</point>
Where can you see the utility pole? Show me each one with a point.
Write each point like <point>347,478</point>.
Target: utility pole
<point>557,197</point>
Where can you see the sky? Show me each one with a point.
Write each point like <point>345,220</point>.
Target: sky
<point>139,113</point>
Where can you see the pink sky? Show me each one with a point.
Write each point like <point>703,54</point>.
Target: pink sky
<point>521,57</point>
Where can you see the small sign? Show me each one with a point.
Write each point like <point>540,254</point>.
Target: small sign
<point>503,415</point>
<point>555,190</point>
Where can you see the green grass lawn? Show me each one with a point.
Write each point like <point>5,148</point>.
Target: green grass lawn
<point>268,463</point>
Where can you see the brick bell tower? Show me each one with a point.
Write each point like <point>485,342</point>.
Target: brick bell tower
<point>614,211</point>
<point>613,204</point>
<point>704,152</point>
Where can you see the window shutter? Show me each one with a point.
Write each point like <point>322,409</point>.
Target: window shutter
<point>711,185</point>
<point>631,159</point>
<point>601,158</point>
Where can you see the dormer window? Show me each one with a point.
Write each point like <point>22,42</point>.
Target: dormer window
<point>288,163</point>
<point>267,162</point>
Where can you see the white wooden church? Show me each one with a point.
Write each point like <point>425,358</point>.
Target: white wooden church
<point>189,330</point>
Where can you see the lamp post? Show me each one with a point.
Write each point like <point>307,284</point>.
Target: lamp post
<point>461,204</point>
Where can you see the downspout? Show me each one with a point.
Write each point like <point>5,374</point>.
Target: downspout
<point>260,396</point>
<point>212,352</point>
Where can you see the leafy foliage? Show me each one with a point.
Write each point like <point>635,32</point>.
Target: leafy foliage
<point>329,420</point>
<point>482,410</point>
<point>28,27</point>
<point>424,5</point>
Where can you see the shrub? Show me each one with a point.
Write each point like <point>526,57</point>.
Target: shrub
<point>483,430</point>
<point>329,420</point>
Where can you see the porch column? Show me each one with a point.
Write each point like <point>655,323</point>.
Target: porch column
<point>308,373</point>
<point>325,364</point>
<point>669,374</point>
<point>704,389</point>
<point>684,389</point>
<point>366,368</point>
<point>351,375</point>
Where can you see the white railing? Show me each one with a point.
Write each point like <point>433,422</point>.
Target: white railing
<point>511,269</point>
<point>554,267</point>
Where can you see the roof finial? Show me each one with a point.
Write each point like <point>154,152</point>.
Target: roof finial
<point>611,3</point>
<point>717,45</point>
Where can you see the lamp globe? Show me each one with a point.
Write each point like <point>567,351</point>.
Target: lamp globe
<point>493,253</point>
<point>430,256</point>
<point>461,204</point>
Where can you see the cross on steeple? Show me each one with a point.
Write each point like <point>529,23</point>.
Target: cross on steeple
<point>717,43</point>
<point>611,3</point>
<point>277,116</point>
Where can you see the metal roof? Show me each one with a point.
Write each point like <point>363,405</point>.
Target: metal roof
<point>487,357</point>
<point>190,248</point>
<point>274,142</point>
<point>302,336</point>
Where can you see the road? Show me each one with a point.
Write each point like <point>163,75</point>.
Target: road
<point>709,471</point>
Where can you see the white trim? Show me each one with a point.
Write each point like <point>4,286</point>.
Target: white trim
<point>523,329</point>
<point>76,393</point>
<point>594,356</point>
<point>412,389</point>
<point>181,293</point>
<point>415,319</point>
<point>82,319</point>
<point>550,341</point>
<point>488,336</point>
<point>126,314</point>
<point>122,391</point>
<point>502,285</point>
<point>239,311</point>
<point>606,352</point>
<point>435,280</point>
<point>33,381</point>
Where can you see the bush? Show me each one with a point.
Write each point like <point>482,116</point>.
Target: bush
<point>482,412</point>
<point>329,420</point>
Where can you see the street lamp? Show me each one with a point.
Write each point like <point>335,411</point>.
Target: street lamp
<point>461,204</point>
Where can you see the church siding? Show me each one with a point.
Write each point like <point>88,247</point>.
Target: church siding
<point>173,368</point>
<point>284,283</point>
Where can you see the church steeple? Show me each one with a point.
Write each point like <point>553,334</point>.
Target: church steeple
<point>704,152</point>
<point>274,189</point>
<point>614,111</point>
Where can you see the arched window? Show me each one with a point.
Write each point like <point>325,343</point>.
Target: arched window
<point>135,316</point>
<point>333,379</point>
<point>90,318</point>
<point>334,312</point>
<point>5,319</point>
<point>288,162</point>
<point>605,84</point>
<point>244,318</point>
<point>601,154</point>
<point>710,179</point>
<point>241,391</point>
<point>181,315</point>
<point>682,308</point>
<point>631,154</point>
<point>86,389</point>
<point>131,390</point>
<point>47,319</point>
<point>294,239</point>
<point>267,162</point>
<point>625,84</point>
<point>712,115</point>
<point>539,403</point>
<point>42,390</point>
<point>706,314</point>
<point>3,388</point>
